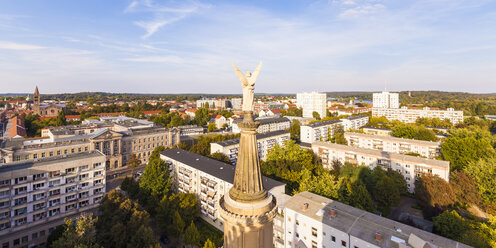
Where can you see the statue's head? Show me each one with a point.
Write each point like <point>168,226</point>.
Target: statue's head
<point>248,74</point>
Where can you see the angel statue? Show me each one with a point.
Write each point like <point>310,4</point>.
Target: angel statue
<point>248,84</point>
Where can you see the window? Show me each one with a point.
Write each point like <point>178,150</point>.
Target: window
<point>38,176</point>
<point>51,154</point>
<point>42,233</point>
<point>35,156</point>
<point>297,234</point>
<point>34,236</point>
<point>17,242</point>
<point>21,180</point>
<point>83,185</point>
<point>5,245</point>
<point>343,243</point>
<point>333,239</point>
<point>72,150</point>
<point>4,182</point>
<point>65,151</point>
<point>42,154</point>
<point>314,231</point>
<point>58,153</point>
<point>297,222</point>
<point>83,168</point>
<point>314,244</point>
<point>79,149</point>
<point>70,170</point>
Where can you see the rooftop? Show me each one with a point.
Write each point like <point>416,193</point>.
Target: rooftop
<point>267,120</point>
<point>323,123</point>
<point>21,165</point>
<point>384,154</point>
<point>362,224</point>
<point>212,167</point>
<point>259,137</point>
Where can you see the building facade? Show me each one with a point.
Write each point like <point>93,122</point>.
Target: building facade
<point>377,131</point>
<point>312,102</point>
<point>354,122</point>
<point>409,166</point>
<point>310,220</point>
<point>410,115</point>
<point>266,124</point>
<point>386,100</point>
<point>209,179</point>
<point>116,137</point>
<point>318,131</point>
<point>427,149</point>
<point>36,195</point>
<point>265,143</point>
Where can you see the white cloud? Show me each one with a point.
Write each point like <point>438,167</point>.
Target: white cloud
<point>162,14</point>
<point>361,10</point>
<point>18,46</point>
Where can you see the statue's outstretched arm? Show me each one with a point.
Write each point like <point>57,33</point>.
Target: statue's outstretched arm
<point>240,74</point>
<point>256,72</point>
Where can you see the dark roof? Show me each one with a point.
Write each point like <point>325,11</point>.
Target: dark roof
<point>212,167</point>
<point>323,123</point>
<point>259,137</point>
<point>378,128</point>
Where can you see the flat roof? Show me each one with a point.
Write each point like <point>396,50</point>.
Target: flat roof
<point>24,164</point>
<point>259,137</point>
<point>362,224</point>
<point>267,120</point>
<point>384,154</point>
<point>323,123</point>
<point>212,167</point>
<point>377,128</point>
<point>399,140</point>
<point>353,117</point>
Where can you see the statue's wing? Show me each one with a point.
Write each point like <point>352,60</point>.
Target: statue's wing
<point>256,72</point>
<point>240,74</point>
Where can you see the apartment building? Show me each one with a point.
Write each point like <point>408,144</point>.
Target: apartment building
<point>324,130</point>
<point>410,115</point>
<point>427,149</point>
<point>266,124</point>
<point>354,122</point>
<point>386,100</point>
<point>265,143</point>
<point>209,179</point>
<point>189,130</point>
<point>409,166</point>
<point>310,220</point>
<point>312,102</point>
<point>116,137</point>
<point>36,195</point>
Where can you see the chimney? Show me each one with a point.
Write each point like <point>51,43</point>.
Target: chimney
<point>333,212</point>
<point>304,206</point>
<point>378,236</point>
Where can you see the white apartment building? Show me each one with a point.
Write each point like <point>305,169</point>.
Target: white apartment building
<point>354,122</point>
<point>409,166</point>
<point>209,179</point>
<point>310,220</point>
<point>410,115</point>
<point>265,143</point>
<point>319,131</point>
<point>36,195</point>
<point>427,149</point>
<point>386,100</point>
<point>266,124</point>
<point>311,102</point>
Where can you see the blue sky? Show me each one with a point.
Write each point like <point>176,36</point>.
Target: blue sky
<point>185,46</point>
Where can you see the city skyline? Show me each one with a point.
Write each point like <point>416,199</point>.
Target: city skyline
<point>187,47</point>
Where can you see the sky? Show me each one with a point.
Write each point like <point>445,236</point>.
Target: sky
<point>188,46</point>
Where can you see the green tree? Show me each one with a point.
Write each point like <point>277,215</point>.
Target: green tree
<point>220,156</point>
<point>209,244</point>
<point>385,194</point>
<point>339,136</point>
<point>186,204</point>
<point>156,179</point>
<point>211,127</point>
<point>80,233</point>
<point>316,115</point>
<point>484,174</point>
<point>178,224</point>
<point>464,146</point>
<point>464,187</point>
<point>55,235</point>
<point>449,224</point>
<point>433,193</point>
<point>61,121</point>
<point>191,235</point>
<point>134,161</point>
<point>294,130</point>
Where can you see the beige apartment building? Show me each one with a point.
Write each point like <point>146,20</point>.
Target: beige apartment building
<point>410,115</point>
<point>427,149</point>
<point>37,194</point>
<point>409,166</point>
<point>116,137</point>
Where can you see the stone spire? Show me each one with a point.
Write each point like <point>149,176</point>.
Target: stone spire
<point>248,209</point>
